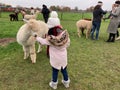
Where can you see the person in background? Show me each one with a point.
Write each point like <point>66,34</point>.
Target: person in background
<point>114,7</point>
<point>23,12</point>
<point>32,11</point>
<point>45,11</point>
<point>58,56</point>
<point>97,16</point>
<point>16,14</point>
<point>114,23</point>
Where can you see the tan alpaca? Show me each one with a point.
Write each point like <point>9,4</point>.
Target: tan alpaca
<point>84,25</point>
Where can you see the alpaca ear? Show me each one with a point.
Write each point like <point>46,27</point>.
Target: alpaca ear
<point>26,21</point>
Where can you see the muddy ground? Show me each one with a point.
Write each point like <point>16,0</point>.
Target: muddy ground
<point>6,41</point>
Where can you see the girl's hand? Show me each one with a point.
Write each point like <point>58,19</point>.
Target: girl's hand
<point>35,35</point>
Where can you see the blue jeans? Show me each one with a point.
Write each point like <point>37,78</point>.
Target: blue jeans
<point>55,74</point>
<point>95,27</point>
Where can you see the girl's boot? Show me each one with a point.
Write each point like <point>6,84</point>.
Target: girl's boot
<point>66,83</point>
<point>53,84</point>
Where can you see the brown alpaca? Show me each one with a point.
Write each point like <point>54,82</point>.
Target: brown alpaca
<point>13,17</point>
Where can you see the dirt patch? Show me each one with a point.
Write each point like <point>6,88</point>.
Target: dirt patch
<point>6,41</point>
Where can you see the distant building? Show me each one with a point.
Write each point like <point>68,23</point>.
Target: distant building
<point>7,8</point>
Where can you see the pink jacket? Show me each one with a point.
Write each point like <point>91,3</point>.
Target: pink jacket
<point>58,55</point>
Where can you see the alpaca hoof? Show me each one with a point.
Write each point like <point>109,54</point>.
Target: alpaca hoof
<point>39,51</point>
<point>25,58</point>
<point>33,62</point>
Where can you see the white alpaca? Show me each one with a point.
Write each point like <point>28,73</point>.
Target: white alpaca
<point>28,17</point>
<point>26,39</point>
<point>82,25</point>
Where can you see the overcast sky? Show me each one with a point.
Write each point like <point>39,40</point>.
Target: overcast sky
<point>81,4</point>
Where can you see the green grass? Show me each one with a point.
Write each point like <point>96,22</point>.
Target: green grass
<point>92,65</point>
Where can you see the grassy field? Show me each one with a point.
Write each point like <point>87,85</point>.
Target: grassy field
<point>92,65</point>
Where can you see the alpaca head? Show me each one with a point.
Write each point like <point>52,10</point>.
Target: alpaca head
<point>33,25</point>
<point>36,26</point>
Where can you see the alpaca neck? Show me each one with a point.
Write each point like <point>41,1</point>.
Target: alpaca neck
<point>27,34</point>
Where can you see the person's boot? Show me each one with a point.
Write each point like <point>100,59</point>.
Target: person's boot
<point>109,39</point>
<point>113,38</point>
<point>53,84</point>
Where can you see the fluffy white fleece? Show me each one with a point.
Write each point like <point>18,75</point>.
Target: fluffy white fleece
<point>26,39</point>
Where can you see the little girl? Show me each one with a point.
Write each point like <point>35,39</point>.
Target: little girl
<point>58,55</point>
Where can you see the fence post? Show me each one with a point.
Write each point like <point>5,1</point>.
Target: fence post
<point>82,15</point>
<point>61,16</point>
<point>0,12</point>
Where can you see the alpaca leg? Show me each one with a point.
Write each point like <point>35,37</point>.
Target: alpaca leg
<point>82,30</point>
<point>39,48</point>
<point>87,33</point>
<point>10,17</point>
<point>32,54</point>
<point>14,18</point>
<point>78,32</point>
<point>26,51</point>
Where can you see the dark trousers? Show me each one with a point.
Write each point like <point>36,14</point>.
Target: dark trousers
<point>55,74</point>
<point>45,18</point>
<point>95,27</point>
<point>111,37</point>
<point>117,34</point>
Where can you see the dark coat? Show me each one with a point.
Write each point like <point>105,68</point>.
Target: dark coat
<point>98,14</point>
<point>45,11</point>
